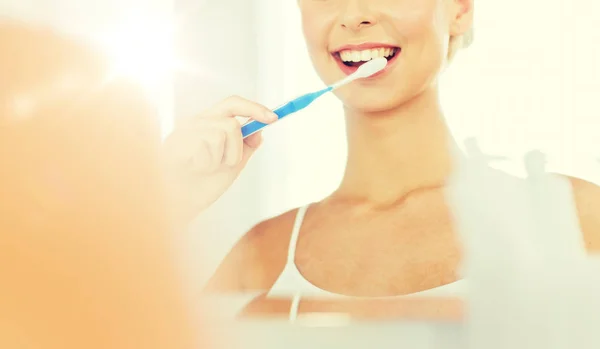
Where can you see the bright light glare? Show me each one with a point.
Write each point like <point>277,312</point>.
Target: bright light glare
<point>142,50</point>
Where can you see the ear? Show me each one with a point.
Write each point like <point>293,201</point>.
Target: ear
<point>462,17</point>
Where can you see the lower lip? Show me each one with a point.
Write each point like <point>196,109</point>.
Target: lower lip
<point>350,70</point>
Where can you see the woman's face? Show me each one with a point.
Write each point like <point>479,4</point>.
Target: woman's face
<point>412,34</point>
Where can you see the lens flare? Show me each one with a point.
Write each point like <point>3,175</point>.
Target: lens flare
<point>142,50</point>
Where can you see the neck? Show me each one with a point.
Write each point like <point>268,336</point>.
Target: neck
<point>394,153</point>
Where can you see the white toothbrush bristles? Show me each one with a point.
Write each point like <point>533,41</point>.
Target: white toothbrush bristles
<point>370,68</point>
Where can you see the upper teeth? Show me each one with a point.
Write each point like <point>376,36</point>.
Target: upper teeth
<point>366,55</point>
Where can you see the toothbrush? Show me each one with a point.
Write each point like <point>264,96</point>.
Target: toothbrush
<point>364,71</point>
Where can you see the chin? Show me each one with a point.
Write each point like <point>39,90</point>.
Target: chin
<point>376,102</point>
<point>371,107</point>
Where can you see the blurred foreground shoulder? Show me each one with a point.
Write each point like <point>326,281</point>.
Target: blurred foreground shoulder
<point>587,199</point>
<point>257,259</point>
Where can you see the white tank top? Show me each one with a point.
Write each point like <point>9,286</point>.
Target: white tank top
<point>291,283</point>
<point>556,189</point>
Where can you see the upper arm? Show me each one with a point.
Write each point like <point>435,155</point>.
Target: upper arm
<point>234,272</point>
<point>257,259</point>
<point>587,199</point>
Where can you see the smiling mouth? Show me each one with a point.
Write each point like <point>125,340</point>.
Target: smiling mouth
<point>356,58</point>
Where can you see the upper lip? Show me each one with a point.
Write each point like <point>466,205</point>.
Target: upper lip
<point>363,46</point>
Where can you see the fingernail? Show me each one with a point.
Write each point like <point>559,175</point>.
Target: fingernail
<point>272,116</point>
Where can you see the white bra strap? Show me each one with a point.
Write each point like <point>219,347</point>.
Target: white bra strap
<point>294,308</point>
<point>295,233</point>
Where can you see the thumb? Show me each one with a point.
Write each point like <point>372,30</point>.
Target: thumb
<point>251,144</point>
<point>254,141</point>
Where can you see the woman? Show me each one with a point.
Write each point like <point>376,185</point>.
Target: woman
<point>86,249</point>
<point>387,230</point>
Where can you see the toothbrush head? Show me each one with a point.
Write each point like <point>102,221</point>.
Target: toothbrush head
<point>370,68</point>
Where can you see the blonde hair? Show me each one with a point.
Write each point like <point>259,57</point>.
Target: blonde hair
<point>459,42</point>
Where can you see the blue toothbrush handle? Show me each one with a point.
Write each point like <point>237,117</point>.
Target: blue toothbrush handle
<point>290,107</point>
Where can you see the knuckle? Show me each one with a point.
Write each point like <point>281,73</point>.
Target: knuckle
<point>233,124</point>
<point>204,144</point>
<point>233,99</point>
<point>217,141</point>
<point>220,136</point>
<point>202,159</point>
<point>204,150</point>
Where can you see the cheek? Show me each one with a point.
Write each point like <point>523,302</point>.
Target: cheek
<point>423,35</point>
<point>315,32</point>
<point>412,22</point>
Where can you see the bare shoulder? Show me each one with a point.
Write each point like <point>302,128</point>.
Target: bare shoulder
<point>586,195</point>
<point>587,200</point>
<point>257,259</point>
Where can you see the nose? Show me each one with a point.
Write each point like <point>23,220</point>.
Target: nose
<point>357,15</point>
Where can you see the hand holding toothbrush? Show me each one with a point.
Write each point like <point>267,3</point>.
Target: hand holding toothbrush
<point>366,70</point>
<point>206,154</point>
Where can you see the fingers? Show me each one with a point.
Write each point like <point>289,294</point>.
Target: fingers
<point>251,144</point>
<point>238,106</point>
<point>208,154</point>
<point>214,141</point>
<point>254,141</point>
<point>234,144</point>
<point>222,146</point>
